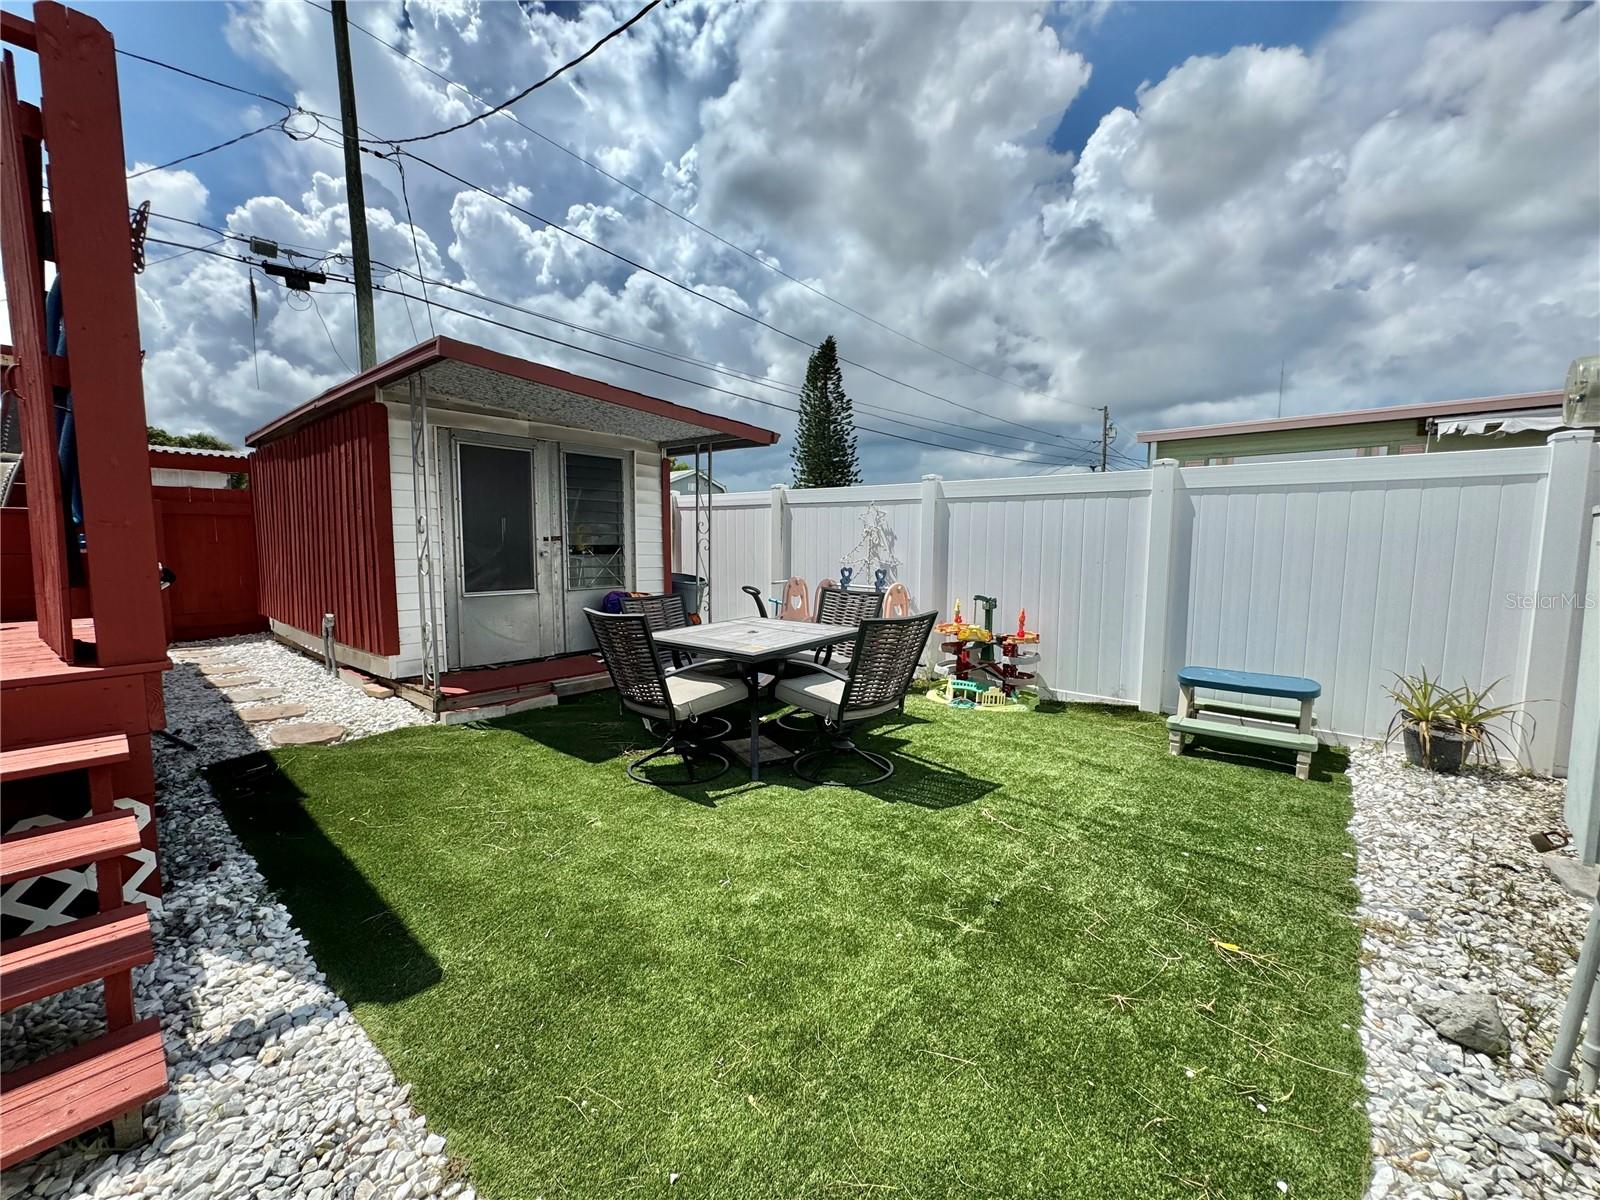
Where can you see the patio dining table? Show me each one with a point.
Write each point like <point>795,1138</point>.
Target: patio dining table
<point>753,644</point>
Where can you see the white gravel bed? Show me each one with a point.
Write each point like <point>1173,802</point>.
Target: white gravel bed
<point>1456,902</point>
<point>198,712</point>
<point>276,1090</point>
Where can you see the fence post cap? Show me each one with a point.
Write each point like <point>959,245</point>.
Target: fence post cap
<point>933,479</point>
<point>1573,435</point>
<point>1165,462</point>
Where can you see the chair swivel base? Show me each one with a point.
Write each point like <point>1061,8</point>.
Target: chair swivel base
<point>718,764</point>
<point>804,764</point>
<point>710,728</point>
<point>799,721</point>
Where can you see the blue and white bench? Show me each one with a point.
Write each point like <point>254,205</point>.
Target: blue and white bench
<point>1267,725</point>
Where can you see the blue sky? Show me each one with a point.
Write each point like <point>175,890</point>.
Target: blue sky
<point>1152,206</point>
<point>1129,45</point>
<point>1133,44</point>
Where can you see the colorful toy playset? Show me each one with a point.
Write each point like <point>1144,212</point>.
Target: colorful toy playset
<point>984,671</point>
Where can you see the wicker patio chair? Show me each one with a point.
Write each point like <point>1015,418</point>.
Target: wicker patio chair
<point>675,700</point>
<point>882,665</point>
<point>835,606</point>
<point>668,611</point>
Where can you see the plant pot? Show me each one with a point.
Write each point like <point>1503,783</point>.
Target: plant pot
<point>1446,751</point>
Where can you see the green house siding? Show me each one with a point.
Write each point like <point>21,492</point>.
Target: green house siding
<point>1392,437</point>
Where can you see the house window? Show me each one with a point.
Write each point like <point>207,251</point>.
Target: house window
<point>597,523</point>
<point>496,488</point>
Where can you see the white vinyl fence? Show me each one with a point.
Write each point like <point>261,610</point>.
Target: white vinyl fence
<point>1470,564</point>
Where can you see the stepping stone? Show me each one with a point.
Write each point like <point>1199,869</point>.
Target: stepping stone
<point>249,695</point>
<point>377,691</point>
<point>257,713</point>
<point>211,669</point>
<point>307,733</point>
<point>228,682</point>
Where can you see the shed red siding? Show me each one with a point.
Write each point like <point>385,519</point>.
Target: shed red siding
<point>324,539</point>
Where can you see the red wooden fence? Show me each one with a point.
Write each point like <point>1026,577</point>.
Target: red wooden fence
<point>205,535</point>
<point>16,566</point>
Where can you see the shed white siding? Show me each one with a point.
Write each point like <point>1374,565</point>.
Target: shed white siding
<point>645,552</point>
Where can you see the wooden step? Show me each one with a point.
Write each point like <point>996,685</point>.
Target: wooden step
<point>68,844</point>
<point>51,758</point>
<point>1288,739</point>
<point>53,960</point>
<point>60,1097</point>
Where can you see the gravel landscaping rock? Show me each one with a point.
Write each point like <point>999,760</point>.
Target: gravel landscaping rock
<point>1471,1019</point>
<point>1456,904</point>
<point>277,1092</point>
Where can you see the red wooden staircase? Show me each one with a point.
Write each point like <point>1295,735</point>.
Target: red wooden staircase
<point>110,1077</point>
<point>80,683</point>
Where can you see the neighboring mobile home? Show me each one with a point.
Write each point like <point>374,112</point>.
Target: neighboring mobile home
<point>540,491</point>
<point>1487,422</point>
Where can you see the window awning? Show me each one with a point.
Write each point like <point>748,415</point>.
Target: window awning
<point>1500,423</point>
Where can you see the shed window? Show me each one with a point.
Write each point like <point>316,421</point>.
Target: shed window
<point>496,519</point>
<point>597,523</point>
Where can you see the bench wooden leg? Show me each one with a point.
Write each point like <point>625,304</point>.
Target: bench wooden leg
<point>1302,760</point>
<point>127,1129</point>
<point>1185,708</point>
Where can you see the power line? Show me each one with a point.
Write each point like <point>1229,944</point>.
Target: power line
<point>181,254</point>
<point>722,304</point>
<point>416,248</point>
<point>166,66</point>
<point>233,141</point>
<point>531,88</point>
<point>719,369</point>
<point>895,416</point>
<point>712,387</point>
<point>324,117</point>
<point>629,363</point>
<point>331,343</point>
<point>289,107</point>
<point>690,221</point>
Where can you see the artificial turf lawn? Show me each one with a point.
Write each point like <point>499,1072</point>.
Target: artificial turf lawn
<point>1044,959</point>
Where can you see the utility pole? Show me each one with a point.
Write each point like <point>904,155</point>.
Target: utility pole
<point>355,192</point>
<point>1105,434</point>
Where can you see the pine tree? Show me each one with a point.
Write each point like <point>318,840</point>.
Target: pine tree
<point>825,436</point>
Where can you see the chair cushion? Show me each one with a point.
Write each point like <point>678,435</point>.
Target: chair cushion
<point>821,693</point>
<point>694,694</point>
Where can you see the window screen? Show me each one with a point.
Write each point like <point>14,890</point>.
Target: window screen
<point>496,519</point>
<point>596,523</point>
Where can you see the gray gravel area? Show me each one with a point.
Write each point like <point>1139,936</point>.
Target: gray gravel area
<point>1459,912</point>
<point>277,1091</point>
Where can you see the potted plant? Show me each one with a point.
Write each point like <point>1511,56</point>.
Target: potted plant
<point>1444,728</point>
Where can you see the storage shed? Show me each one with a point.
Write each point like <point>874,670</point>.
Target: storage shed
<point>520,492</point>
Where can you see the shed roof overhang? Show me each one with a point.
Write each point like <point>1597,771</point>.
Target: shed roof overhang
<point>488,380</point>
